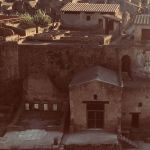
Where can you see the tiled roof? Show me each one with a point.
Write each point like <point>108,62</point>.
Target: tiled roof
<point>143,19</point>
<point>87,7</point>
<point>97,73</point>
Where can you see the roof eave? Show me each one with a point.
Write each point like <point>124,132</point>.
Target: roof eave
<point>78,84</point>
<point>88,11</point>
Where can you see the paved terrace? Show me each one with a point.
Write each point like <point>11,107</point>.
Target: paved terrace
<point>35,138</point>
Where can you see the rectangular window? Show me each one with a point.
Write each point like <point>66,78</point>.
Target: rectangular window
<point>111,25</point>
<point>45,107</point>
<point>27,106</point>
<point>55,107</point>
<point>95,96</point>
<point>36,106</point>
<point>88,18</point>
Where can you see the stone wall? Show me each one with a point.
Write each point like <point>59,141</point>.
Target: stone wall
<point>140,60</point>
<point>80,21</point>
<point>9,61</point>
<point>38,87</point>
<point>21,31</point>
<point>136,99</point>
<point>10,83</point>
<point>61,61</point>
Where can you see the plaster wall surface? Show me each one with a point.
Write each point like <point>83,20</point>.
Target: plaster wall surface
<point>38,87</point>
<point>80,20</point>
<point>132,97</point>
<point>10,83</point>
<point>138,32</point>
<point>140,60</point>
<point>9,61</point>
<point>86,92</point>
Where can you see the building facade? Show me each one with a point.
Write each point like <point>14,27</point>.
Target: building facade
<point>142,28</point>
<point>106,17</point>
<point>93,95</point>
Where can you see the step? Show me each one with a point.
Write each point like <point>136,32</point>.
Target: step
<point>128,141</point>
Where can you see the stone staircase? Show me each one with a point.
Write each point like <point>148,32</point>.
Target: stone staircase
<point>127,142</point>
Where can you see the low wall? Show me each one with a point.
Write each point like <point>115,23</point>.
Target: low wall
<point>93,147</point>
<point>22,32</point>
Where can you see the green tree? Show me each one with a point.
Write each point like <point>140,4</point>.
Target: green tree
<point>39,19</point>
<point>27,21</point>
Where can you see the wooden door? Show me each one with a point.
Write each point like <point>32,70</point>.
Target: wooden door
<point>95,115</point>
<point>135,120</point>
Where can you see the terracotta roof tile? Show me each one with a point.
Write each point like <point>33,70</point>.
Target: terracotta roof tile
<point>87,7</point>
<point>143,19</point>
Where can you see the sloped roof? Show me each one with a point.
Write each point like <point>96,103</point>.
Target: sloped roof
<point>143,19</point>
<point>88,7</point>
<point>96,73</point>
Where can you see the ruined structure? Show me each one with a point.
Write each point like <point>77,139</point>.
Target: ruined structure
<point>71,81</point>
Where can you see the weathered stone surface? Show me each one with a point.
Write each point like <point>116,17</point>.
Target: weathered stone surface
<point>61,62</point>
<point>104,92</point>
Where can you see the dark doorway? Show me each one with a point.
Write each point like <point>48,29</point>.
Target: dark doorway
<point>126,64</point>
<point>135,120</point>
<point>95,115</point>
<point>100,23</point>
<point>109,26</point>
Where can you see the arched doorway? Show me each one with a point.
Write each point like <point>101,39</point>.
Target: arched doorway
<point>126,64</point>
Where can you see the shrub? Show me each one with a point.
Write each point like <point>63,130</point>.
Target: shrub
<point>39,19</point>
<point>27,21</point>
